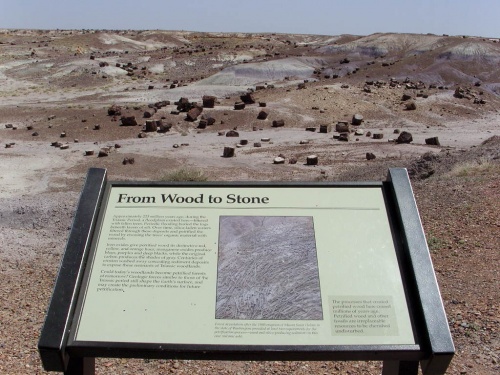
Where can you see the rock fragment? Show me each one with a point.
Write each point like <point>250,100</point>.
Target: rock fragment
<point>404,137</point>
<point>433,141</point>
<point>312,160</point>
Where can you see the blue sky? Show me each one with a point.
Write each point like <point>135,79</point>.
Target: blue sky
<point>328,17</point>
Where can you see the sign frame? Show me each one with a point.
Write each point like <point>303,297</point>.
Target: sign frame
<point>433,347</point>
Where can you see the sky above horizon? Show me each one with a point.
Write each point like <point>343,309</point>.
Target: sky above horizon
<point>324,17</point>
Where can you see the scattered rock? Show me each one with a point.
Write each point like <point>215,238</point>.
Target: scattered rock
<point>247,98</point>
<point>35,134</point>
<point>433,141</point>
<point>220,133</point>
<point>312,160</point>
<point>232,133</point>
<point>63,135</point>
<point>142,135</point>
<point>103,152</point>
<point>405,97</point>
<point>357,119</point>
<point>359,132</point>
<point>151,126</point>
<point>262,104</point>
<point>128,161</point>
<point>9,126</point>
<point>404,137</point>
<point>411,106</point>
<point>342,127</point>
<point>265,139</point>
<point>149,112</point>
<point>310,129</point>
<point>377,135</point>
<point>304,142</point>
<point>257,144</point>
<point>97,127</point>
<point>278,123</point>
<point>193,113</point>
<point>239,106</point>
<point>64,146</point>
<point>209,101</point>
<point>115,110</point>
<point>128,121</point>
<point>89,152</point>
<point>344,137</point>
<point>293,160</point>
<point>325,128</point>
<point>279,160</point>
<point>262,115</point>
<point>228,152</point>
<point>370,156</point>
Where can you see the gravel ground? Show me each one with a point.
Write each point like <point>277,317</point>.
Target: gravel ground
<point>460,213</point>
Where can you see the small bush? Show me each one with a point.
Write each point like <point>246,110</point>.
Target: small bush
<point>184,174</point>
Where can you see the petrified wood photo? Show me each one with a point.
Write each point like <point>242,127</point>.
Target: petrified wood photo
<point>268,269</point>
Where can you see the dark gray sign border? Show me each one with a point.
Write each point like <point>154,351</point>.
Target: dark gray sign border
<point>434,347</point>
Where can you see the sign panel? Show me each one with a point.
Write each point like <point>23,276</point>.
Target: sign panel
<point>244,266</point>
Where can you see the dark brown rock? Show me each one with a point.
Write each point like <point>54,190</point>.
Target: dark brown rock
<point>239,106</point>
<point>228,152</point>
<point>232,133</point>
<point>377,135</point>
<point>278,123</point>
<point>411,106</point>
<point>262,115</point>
<point>209,101</point>
<point>370,156</point>
<point>193,113</point>
<point>247,98</point>
<point>433,141</point>
<point>404,137</point>
<point>342,127</point>
<point>312,160</point>
<point>151,126</point>
<point>128,121</point>
<point>325,128</point>
<point>357,119</point>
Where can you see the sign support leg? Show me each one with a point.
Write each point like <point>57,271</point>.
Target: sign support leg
<point>81,366</point>
<point>400,368</point>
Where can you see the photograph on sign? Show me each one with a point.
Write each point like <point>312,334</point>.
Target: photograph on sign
<point>267,269</point>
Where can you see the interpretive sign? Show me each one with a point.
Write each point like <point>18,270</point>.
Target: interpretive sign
<point>238,271</point>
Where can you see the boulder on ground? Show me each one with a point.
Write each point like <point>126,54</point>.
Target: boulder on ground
<point>377,135</point>
<point>209,101</point>
<point>151,126</point>
<point>239,106</point>
<point>262,115</point>
<point>279,160</point>
<point>114,110</point>
<point>247,98</point>
<point>278,123</point>
<point>183,105</point>
<point>433,141</point>
<point>404,137</point>
<point>193,113</point>
<point>342,127</point>
<point>370,156</point>
<point>228,152</point>
<point>357,119</point>
<point>128,121</point>
<point>405,97</point>
<point>232,133</point>
<point>325,128</point>
<point>411,106</point>
<point>312,160</point>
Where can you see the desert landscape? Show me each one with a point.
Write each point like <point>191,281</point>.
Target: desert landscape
<point>177,105</point>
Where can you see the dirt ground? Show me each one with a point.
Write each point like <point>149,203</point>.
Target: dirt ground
<point>55,91</point>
